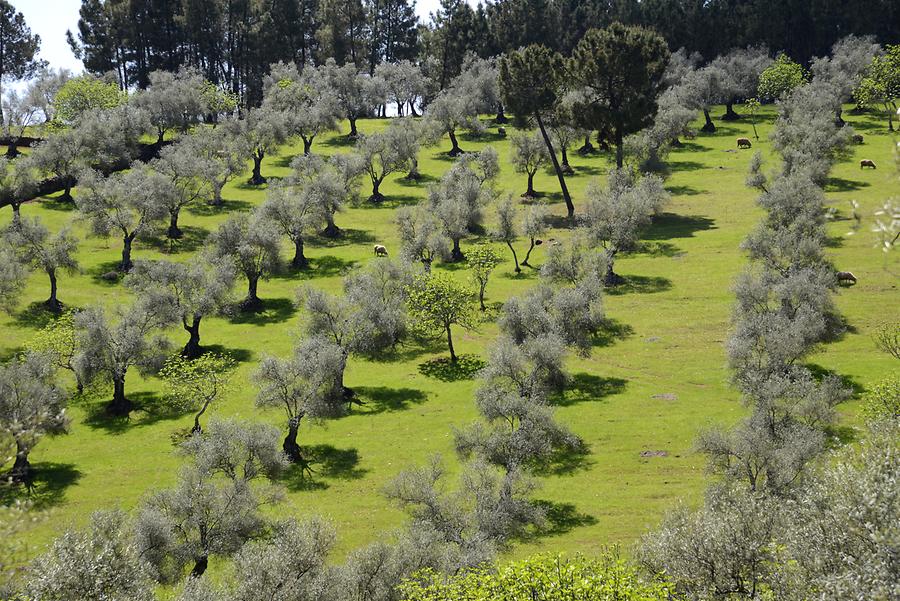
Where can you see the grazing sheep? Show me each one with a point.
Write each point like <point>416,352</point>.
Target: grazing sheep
<point>867,163</point>
<point>744,143</point>
<point>846,276</point>
<point>690,134</point>
<point>857,138</point>
<point>501,131</point>
<point>380,251</point>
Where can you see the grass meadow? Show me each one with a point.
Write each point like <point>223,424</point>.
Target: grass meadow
<point>649,385</point>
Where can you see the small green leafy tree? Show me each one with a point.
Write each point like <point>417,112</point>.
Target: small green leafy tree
<point>882,402</point>
<point>59,340</point>
<point>83,94</point>
<point>437,302</point>
<point>780,78</point>
<point>540,577</point>
<point>482,260</point>
<point>197,383</point>
<point>752,107</point>
<point>881,85</point>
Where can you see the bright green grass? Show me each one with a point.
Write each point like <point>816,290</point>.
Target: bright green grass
<point>676,309</point>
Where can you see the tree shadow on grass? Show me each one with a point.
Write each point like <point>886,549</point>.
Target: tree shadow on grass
<point>149,409</point>
<point>657,249</point>
<point>239,355</point>
<point>839,436</point>
<point>819,372</point>
<point>611,331</point>
<point>560,519</point>
<point>36,316</point>
<point>340,141</point>
<point>228,206</point>
<point>192,239</point>
<point>564,462</point>
<point>672,225</point>
<point>675,166</point>
<point>683,190</point>
<point>102,274</point>
<point>640,284</point>
<point>465,368</point>
<point>53,203</point>
<point>393,201</point>
<point>838,184</point>
<point>421,182</point>
<point>379,399</point>
<point>584,388</point>
<point>348,236</point>
<point>406,352</point>
<point>45,488</point>
<point>273,310</point>
<point>326,462</point>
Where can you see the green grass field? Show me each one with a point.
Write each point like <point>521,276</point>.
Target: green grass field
<point>650,390</point>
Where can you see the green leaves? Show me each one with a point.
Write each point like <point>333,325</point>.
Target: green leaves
<point>780,78</point>
<point>438,301</point>
<point>192,382</point>
<point>543,578</point>
<point>530,79</point>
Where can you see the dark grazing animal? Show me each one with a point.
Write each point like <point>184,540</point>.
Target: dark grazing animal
<point>744,143</point>
<point>867,163</point>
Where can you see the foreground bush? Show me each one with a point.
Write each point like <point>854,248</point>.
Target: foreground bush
<point>540,578</point>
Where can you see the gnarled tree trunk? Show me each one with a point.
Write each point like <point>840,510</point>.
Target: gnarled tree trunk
<point>119,406</point>
<point>192,349</point>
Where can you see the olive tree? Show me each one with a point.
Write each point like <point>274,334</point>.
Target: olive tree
<point>615,215</point>
<point>534,224</point>
<point>62,155</point>
<point>30,240</point>
<point>257,134</point>
<point>186,171</point>
<point>299,212</point>
<point>214,508</point>
<point>742,68</point>
<point>422,236</point>
<point>482,260</point>
<point>131,203</point>
<point>381,156</point>
<point>404,83</point>
<point>99,563</point>
<point>332,183</point>
<point>173,100</point>
<point>303,385</point>
<point>221,158</point>
<point>19,113</point>
<point>59,340</point>
<point>506,229</point>
<point>188,291</point>
<point>356,93</point>
<point>305,100</point>
<point>32,405</point>
<point>109,347</point>
<point>18,183</point>
<point>251,241</point>
<point>529,155</point>
<point>459,198</point>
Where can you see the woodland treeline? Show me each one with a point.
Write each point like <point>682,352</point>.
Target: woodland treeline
<point>233,42</point>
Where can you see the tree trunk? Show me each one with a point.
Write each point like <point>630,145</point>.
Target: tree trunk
<point>126,262</point>
<point>529,193</point>
<point>453,356</point>
<point>252,301</point>
<point>426,263</point>
<point>66,196</point>
<point>456,150</point>
<point>299,261</point>
<point>709,126</point>
<point>257,179</point>
<point>412,108</point>
<point>17,211</point>
<point>399,109</point>
<point>611,278</point>
<point>192,349</point>
<point>567,169</point>
<point>353,131</point>
<point>53,302</point>
<point>200,565</point>
<point>21,469</point>
<point>174,232</point>
<point>481,288</point>
<point>377,196</point>
<point>890,118</point>
<point>570,208</point>
<point>456,254</point>
<point>528,254</point>
<point>331,230</point>
<point>307,144</point>
<point>839,118</point>
<point>515,257</point>
<point>290,447</point>
<point>730,115</point>
<point>197,429</point>
<point>501,117</point>
<point>12,150</point>
<point>413,174</point>
<point>620,148</point>
<point>119,406</point>
<point>587,147</point>
<point>217,200</point>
